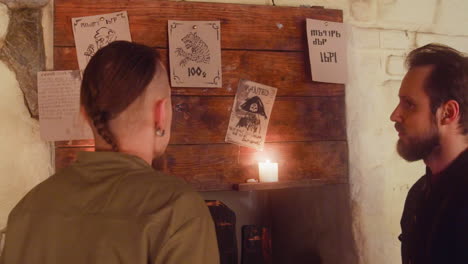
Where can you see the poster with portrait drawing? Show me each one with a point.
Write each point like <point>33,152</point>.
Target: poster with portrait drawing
<point>94,32</point>
<point>250,114</point>
<point>195,53</point>
<point>59,106</point>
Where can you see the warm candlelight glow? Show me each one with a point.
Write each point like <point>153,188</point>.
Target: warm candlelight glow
<point>268,171</point>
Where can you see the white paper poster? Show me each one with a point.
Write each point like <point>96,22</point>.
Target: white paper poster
<point>327,51</point>
<point>195,53</point>
<point>251,114</point>
<point>59,106</point>
<point>94,32</point>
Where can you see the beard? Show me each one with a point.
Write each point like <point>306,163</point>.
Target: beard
<point>418,147</point>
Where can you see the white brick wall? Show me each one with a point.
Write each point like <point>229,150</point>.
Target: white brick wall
<point>457,42</point>
<point>396,39</point>
<point>395,65</point>
<point>451,17</point>
<point>363,10</point>
<point>410,14</point>
<point>364,38</point>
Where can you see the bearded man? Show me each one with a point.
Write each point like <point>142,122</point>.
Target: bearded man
<point>432,123</point>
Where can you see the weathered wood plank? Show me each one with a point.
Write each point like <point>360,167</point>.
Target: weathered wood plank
<point>223,165</point>
<point>242,26</point>
<point>306,134</point>
<point>204,120</point>
<point>288,71</point>
<point>287,184</point>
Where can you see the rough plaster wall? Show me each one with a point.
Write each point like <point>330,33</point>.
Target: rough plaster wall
<point>25,159</point>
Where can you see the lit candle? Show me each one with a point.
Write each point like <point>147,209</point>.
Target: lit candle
<point>268,171</point>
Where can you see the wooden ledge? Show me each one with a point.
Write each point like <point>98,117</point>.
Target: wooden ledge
<point>258,186</point>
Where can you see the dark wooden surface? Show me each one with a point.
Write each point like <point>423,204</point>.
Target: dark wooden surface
<point>220,166</point>
<point>243,27</point>
<point>302,183</point>
<point>288,71</point>
<point>204,120</point>
<point>265,44</point>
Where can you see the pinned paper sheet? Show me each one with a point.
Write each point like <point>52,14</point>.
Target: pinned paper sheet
<point>327,51</point>
<point>59,106</point>
<point>195,53</point>
<point>94,32</point>
<point>250,114</point>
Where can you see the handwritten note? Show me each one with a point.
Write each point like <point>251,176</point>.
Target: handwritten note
<point>94,32</point>
<point>250,114</point>
<point>59,106</point>
<point>327,51</point>
<point>195,53</point>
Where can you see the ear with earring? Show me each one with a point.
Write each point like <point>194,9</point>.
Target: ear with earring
<point>159,117</point>
<point>159,132</point>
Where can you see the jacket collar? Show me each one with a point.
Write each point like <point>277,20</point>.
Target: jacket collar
<point>110,159</point>
<point>453,174</point>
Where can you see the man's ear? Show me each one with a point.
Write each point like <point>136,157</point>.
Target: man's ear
<point>159,112</point>
<point>450,112</point>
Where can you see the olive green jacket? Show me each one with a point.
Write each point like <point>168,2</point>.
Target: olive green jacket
<point>110,208</point>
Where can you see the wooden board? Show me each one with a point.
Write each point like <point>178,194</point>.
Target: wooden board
<point>302,183</point>
<point>219,166</point>
<point>204,120</point>
<point>288,71</point>
<point>242,26</point>
<point>265,44</point>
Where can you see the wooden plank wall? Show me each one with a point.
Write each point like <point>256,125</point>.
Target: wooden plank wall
<point>265,44</point>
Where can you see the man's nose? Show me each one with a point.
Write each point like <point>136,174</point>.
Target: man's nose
<point>395,116</point>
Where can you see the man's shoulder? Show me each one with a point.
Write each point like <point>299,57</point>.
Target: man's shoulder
<point>418,187</point>
<point>32,196</point>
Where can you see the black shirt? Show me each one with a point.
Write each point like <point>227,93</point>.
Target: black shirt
<point>435,218</point>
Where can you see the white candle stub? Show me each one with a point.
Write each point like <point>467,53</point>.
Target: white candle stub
<point>268,171</point>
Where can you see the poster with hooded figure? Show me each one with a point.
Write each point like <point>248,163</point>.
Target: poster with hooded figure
<point>250,114</point>
<point>94,32</point>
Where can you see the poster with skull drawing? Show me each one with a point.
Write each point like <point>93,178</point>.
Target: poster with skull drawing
<point>250,114</point>
<point>94,32</point>
<point>195,53</point>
